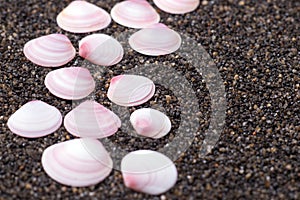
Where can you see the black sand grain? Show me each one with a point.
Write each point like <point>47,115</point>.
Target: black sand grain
<point>254,44</point>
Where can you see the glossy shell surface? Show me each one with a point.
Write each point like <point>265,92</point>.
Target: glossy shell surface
<point>52,50</point>
<point>101,49</point>
<point>148,171</point>
<point>155,40</point>
<point>134,14</point>
<point>70,83</point>
<point>130,90</point>
<point>91,120</point>
<point>77,162</point>
<point>83,17</point>
<point>35,119</point>
<point>149,122</point>
<point>177,6</point>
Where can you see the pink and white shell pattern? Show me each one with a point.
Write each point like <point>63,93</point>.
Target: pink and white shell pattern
<point>78,162</point>
<point>155,40</point>
<point>101,49</point>
<point>70,83</point>
<point>150,123</point>
<point>134,14</point>
<point>35,119</point>
<point>130,90</point>
<point>83,17</point>
<point>52,50</point>
<point>177,6</point>
<point>91,119</point>
<point>148,171</point>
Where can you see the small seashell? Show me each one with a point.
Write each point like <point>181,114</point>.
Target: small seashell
<point>52,50</point>
<point>83,17</point>
<point>155,40</point>
<point>177,6</point>
<point>148,171</point>
<point>70,83</point>
<point>101,49</point>
<point>35,119</point>
<point>91,119</point>
<point>78,162</point>
<point>130,90</point>
<point>150,123</point>
<point>134,14</point>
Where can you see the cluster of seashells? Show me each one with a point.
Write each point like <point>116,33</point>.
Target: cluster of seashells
<point>71,163</point>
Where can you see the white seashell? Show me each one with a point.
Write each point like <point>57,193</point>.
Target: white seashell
<point>70,83</point>
<point>155,40</point>
<point>91,119</point>
<point>35,119</point>
<point>101,49</point>
<point>52,50</point>
<point>177,6</point>
<point>134,14</point>
<point>148,171</point>
<point>83,17</point>
<point>78,162</point>
<point>130,90</point>
<point>150,123</point>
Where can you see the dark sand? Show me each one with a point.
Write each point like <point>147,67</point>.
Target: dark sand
<point>254,44</point>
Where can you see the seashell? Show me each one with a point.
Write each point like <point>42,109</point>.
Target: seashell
<point>52,50</point>
<point>134,14</point>
<point>177,6</point>
<point>78,162</point>
<point>101,49</point>
<point>91,119</point>
<point>70,83</point>
<point>130,90</point>
<point>35,119</point>
<point>83,17</point>
<point>155,40</point>
<point>148,171</point>
<point>150,123</point>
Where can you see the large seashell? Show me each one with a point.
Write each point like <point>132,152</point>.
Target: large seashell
<point>35,119</point>
<point>101,49</point>
<point>150,123</point>
<point>78,162</point>
<point>70,83</point>
<point>83,17</point>
<point>148,171</point>
<point>155,40</point>
<point>52,50</point>
<point>91,119</point>
<point>134,14</point>
<point>177,6</point>
<point>130,90</point>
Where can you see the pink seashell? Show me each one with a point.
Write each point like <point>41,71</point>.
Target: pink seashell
<point>155,40</point>
<point>148,171</point>
<point>52,50</point>
<point>150,123</point>
<point>35,119</point>
<point>130,90</point>
<point>70,83</point>
<point>83,17</point>
<point>134,14</point>
<point>177,6</point>
<point>78,162</point>
<point>91,119</point>
<point>101,49</point>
